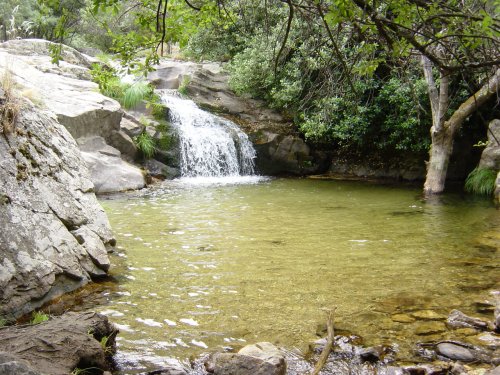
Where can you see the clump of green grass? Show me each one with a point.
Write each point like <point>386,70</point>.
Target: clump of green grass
<point>133,94</point>
<point>110,84</point>
<point>146,144</point>
<point>481,181</point>
<point>38,317</point>
<point>184,85</point>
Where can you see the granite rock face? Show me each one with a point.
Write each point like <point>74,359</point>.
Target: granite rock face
<point>54,234</point>
<point>66,91</point>
<point>490,158</point>
<point>108,171</point>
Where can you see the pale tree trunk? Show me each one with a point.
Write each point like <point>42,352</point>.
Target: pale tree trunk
<point>443,131</point>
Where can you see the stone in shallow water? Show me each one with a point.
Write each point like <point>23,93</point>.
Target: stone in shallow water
<point>455,352</point>
<point>429,328</point>
<point>458,319</point>
<point>402,318</point>
<point>428,315</point>
<point>259,359</point>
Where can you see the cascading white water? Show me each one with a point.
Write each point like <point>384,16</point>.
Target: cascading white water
<point>210,146</point>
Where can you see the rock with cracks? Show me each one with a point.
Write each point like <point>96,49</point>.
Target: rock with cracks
<point>58,346</point>
<point>54,235</point>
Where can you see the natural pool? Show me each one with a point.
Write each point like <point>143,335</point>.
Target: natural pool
<point>203,266</point>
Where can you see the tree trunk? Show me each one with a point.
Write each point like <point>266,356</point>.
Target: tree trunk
<point>439,158</point>
<point>443,132</point>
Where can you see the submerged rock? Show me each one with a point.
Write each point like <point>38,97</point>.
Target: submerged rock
<point>402,318</point>
<point>429,328</point>
<point>259,359</point>
<point>428,315</point>
<point>58,346</point>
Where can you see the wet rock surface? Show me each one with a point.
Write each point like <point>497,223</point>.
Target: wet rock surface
<point>458,319</point>
<point>54,235</point>
<point>58,346</point>
<point>258,359</point>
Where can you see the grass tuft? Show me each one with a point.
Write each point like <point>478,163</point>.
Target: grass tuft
<point>9,105</point>
<point>183,87</point>
<point>146,144</point>
<point>134,94</point>
<point>481,181</point>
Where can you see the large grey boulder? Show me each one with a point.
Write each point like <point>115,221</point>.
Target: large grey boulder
<point>108,172</point>
<point>54,234</point>
<point>207,85</point>
<point>490,158</point>
<point>58,346</point>
<point>282,154</point>
<point>66,90</point>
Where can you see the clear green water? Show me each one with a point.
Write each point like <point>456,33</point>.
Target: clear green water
<point>250,263</point>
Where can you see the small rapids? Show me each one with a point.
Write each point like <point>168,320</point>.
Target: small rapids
<point>210,146</point>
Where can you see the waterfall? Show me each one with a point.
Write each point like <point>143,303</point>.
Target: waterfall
<point>210,146</point>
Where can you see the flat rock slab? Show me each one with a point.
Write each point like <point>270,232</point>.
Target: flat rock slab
<point>57,346</point>
<point>66,90</point>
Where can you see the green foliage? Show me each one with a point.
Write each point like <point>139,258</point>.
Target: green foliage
<point>184,85</point>
<point>481,181</point>
<point>3,322</point>
<point>146,144</point>
<point>129,95</point>
<point>108,81</point>
<point>153,102</point>
<point>38,317</point>
<point>214,43</point>
<point>134,94</point>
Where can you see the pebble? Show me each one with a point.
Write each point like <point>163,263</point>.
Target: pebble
<point>455,352</point>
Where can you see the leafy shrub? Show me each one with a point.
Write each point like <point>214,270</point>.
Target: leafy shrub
<point>146,144</point>
<point>481,181</point>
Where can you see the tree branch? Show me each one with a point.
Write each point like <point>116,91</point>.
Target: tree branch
<point>287,32</point>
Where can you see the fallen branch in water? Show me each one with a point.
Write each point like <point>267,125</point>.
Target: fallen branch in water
<point>329,343</point>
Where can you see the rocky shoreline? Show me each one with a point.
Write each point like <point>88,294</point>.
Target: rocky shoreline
<point>87,342</point>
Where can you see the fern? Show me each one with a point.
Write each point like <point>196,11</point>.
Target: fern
<point>481,181</point>
<point>134,94</point>
<point>146,144</point>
